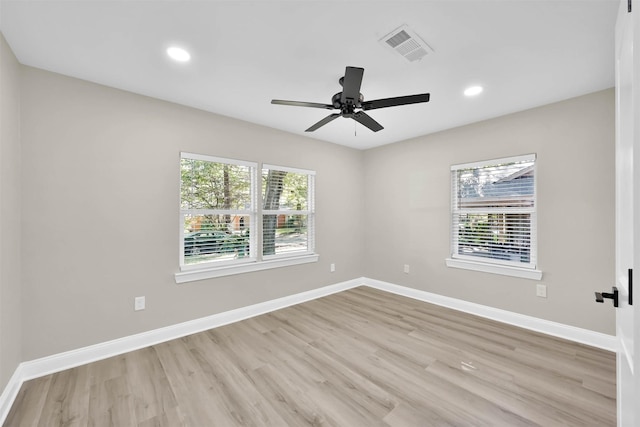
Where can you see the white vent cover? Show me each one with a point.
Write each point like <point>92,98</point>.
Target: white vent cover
<point>407,43</point>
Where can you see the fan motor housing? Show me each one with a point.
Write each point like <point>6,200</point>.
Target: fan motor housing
<point>335,101</point>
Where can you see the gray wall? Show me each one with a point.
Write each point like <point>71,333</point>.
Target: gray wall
<point>10,298</point>
<point>101,204</point>
<point>99,211</point>
<point>407,199</point>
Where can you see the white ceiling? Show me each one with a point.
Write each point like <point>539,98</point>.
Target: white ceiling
<point>244,53</point>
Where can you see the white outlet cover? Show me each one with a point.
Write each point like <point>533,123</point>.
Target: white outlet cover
<point>139,303</point>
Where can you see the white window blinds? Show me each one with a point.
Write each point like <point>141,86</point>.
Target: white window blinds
<point>494,211</point>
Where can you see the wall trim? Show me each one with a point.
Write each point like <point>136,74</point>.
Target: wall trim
<point>70,359</point>
<point>560,330</point>
<point>10,393</point>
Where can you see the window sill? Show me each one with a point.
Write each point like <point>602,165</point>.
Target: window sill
<point>210,273</point>
<point>525,273</point>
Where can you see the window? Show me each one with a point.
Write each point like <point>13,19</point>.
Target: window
<point>493,216</point>
<point>287,211</point>
<point>217,210</point>
<point>223,213</point>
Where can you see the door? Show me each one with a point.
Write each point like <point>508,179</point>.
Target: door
<point>627,213</point>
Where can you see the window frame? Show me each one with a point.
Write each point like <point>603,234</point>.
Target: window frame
<point>255,261</point>
<point>493,265</point>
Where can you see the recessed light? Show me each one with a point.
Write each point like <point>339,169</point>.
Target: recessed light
<point>473,90</point>
<point>178,54</point>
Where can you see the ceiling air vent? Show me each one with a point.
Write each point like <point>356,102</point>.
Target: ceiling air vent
<point>407,43</point>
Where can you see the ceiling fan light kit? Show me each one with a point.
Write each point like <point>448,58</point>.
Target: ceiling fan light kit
<point>351,103</point>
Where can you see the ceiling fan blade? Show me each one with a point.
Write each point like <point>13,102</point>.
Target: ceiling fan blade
<point>351,85</point>
<point>392,102</point>
<point>366,120</point>
<point>302,104</point>
<point>323,122</point>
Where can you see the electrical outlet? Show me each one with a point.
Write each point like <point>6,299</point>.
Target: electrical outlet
<point>332,267</point>
<point>541,291</point>
<point>406,268</point>
<point>139,303</point>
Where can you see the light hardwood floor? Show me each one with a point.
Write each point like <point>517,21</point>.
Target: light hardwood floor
<point>362,357</point>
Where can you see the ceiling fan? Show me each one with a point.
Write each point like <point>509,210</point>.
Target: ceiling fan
<point>350,100</point>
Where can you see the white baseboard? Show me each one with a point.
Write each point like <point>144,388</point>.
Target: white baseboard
<point>70,359</point>
<point>560,330</point>
<point>10,393</point>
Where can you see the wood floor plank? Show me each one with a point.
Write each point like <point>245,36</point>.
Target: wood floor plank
<point>407,415</point>
<point>361,357</point>
<point>374,398</point>
<point>64,403</point>
<point>293,405</point>
<point>503,397</point>
<point>539,383</point>
<point>235,388</point>
<point>193,391</point>
<point>32,397</point>
<point>149,385</point>
<point>110,403</point>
